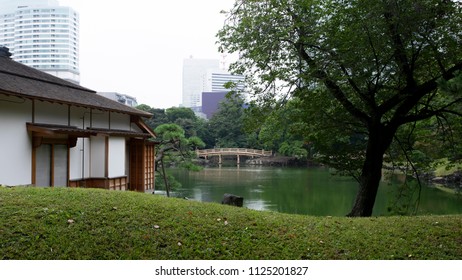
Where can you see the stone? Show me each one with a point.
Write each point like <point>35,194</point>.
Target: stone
<point>231,199</point>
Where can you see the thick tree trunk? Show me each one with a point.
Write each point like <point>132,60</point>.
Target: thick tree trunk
<point>368,186</point>
<point>380,138</point>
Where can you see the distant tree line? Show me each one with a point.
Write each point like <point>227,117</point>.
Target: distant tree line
<point>234,126</point>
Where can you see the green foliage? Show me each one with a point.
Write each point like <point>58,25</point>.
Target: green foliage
<point>170,132</point>
<point>174,114</point>
<point>294,149</point>
<point>92,224</point>
<point>158,116</point>
<point>281,128</point>
<point>171,137</point>
<point>173,184</point>
<point>144,107</point>
<point>226,125</point>
<point>405,199</point>
<point>183,117</point>
<point>173,148</point>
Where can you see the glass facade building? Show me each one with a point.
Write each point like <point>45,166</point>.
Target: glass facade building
<point>217,80</point>
<point>43,35</point>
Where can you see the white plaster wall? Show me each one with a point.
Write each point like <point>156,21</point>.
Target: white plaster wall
<point>120,121</point>
<point>100,119</point>
<point>80,117</point>
<point>15,142</point>
<point>79,156</point>
<point>117,158</point>
<point>75,161</point>
<point>135,128</point>
<point>51,113</point>
<point>97,157</point>
<point>79,159</point>
<point>89,153</point>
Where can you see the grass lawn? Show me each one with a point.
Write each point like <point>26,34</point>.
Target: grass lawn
<point>445,168</point>
<point>64,223</point>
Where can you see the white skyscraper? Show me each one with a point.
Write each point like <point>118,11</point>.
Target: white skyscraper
<point>194,80</point>
<point>42,35</point>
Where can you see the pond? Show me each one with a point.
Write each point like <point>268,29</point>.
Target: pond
<point>308,191</point>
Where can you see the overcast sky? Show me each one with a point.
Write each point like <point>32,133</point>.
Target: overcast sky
<point>137,47</point>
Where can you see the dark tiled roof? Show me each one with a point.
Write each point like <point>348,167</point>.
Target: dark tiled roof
<point>20,80</point>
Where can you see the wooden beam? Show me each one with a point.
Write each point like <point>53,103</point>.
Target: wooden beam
<point>52,165</point>
<point>106,157</point>
<point>141,124</point>
<point>33,110</point>
<point>34,165</point>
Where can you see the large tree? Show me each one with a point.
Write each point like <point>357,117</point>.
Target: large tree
<point>370,66</point>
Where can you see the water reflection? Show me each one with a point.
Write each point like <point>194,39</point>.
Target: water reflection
<point>300,191</point>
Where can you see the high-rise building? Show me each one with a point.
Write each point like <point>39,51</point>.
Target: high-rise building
<point>216,80</point>
<point>211,102</point>
<point>205,76</point>
<point>216,89</point>
<point>194,79</point>
<point>43,35</point>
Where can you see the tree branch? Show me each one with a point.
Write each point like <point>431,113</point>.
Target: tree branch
<point>412,97</point>
<point>333,88</point>
<point>399,49</point>
<point>161,152</point>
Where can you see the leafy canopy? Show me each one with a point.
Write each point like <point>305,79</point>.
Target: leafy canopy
<point>349,63</point>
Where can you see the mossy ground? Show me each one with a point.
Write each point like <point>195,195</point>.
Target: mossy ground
<point>89,224</point>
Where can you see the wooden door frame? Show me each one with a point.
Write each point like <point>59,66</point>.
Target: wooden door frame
<point>38,141</point>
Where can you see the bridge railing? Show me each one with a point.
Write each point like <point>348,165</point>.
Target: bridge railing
<point>233,151</point>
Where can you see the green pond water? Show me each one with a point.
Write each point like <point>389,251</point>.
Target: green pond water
<point>308,191</point>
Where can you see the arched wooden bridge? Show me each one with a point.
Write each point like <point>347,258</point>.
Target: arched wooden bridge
<point>238,152</point>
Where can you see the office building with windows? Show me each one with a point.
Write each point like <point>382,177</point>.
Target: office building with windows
<point>202,78</point>
<point>43,35</point>
<point>194,80</point>
<point>216,81</point>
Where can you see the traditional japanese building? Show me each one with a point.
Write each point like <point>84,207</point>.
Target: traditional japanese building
<point>56,133</point>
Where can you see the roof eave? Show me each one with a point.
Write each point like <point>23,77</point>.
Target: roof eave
<point>51,100</point>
